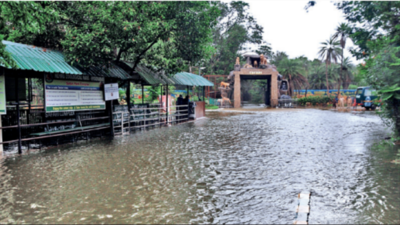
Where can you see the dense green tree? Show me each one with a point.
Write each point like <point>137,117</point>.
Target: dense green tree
<point>316,78</point>
<point>293,70</point>
<point>375,31</point>
<point>278,56</point>
<point>96,33</point>
<point>347,73</point>
<point>266,50</point>
<point>235,27</point>
<point>370,20</point>
<point>20,20</point>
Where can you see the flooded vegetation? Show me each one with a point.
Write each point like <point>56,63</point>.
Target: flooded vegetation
<point>227,168</point>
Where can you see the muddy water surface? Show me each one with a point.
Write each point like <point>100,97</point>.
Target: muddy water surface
<point>228,168</point>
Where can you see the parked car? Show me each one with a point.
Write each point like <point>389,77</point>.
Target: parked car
<point>365,97</point>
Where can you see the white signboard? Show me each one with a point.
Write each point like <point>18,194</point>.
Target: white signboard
<point>69,95</point>
<point>111,91</point>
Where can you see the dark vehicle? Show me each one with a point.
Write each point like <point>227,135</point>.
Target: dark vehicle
<point>365,97</point>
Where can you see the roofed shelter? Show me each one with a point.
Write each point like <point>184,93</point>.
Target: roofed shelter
<point>68,96</point>
<point>68,99</point>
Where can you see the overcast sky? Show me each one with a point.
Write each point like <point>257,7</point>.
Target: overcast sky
<point>289,28</point>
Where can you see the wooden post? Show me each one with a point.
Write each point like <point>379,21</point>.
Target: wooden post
<point>110,112</point>
<point>204,95</point>
<point>44,98</point>
<point>129,96</point>
<point>188,108</point>
<point>166,101</point>
<point>29,99</point>
<point>18,116</point>
<point>142,95</point>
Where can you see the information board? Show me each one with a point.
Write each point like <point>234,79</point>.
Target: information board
<point>2,96</point>
<point>69,95</point>
<point>111,91</point>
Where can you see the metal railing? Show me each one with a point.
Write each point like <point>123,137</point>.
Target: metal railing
<point>152,115</point>
<point>287,103</point>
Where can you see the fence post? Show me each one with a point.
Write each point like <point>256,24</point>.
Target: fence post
<point>142,94</point>
<point>1,138</point>
<point>188,109</point>
<point>18,116</point>
<point>166,102</point>
<point>122,123</point>
<point>111,117</point>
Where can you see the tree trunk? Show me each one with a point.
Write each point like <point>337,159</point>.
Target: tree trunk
<point>326,76</point>
<point>341,75</point>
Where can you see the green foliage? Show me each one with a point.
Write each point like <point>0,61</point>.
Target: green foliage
<point>235,27</point>
<point>315,99</point>
<point>20,18</point>
<point>266,50</point>
<point>211,106</point>
<point>381,71</point>
<point>154,92</point>
<point>330,51</point>
<point>293,70</point>
<point>162,34</point>
<point>353,86</point>
<point>377,18</point>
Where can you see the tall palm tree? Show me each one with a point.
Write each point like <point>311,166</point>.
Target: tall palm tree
<point>342,31</point>
<point>293,69</point>
<point>330,52</point>
<point>348,68</point>
<point>306,66</point>
<point>317,77</point>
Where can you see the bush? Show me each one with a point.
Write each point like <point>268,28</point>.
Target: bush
<point>315,99</point>
<point>211,106</point>
<point>353,86</point>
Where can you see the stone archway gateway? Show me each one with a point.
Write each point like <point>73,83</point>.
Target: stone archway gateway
<point>256,67</point>
<point>256,73</point>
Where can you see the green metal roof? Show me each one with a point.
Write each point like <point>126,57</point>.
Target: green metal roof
<point>148,75</point>
<point>190,79</point>
<point>112,71</point>
<point>28,57</point>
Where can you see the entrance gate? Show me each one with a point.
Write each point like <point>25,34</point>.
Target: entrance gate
<point>256,93</point>
<point>269,73</point>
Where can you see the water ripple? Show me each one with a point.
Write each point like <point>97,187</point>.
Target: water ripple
<point>228,168</point>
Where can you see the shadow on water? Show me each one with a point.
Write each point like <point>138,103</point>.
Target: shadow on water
<point>227,168</point>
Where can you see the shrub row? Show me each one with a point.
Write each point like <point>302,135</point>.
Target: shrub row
<point>316,99</point>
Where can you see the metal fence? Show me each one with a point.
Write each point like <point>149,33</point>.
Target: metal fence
<point>287,103</point>
<point>143,116</point>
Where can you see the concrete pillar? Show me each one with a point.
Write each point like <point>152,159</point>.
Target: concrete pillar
<point>274,89</point>
<point>237,94</point>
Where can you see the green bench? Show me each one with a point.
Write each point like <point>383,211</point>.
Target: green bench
<point>70,129</point>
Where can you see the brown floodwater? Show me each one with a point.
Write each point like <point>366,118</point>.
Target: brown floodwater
<point>227,168</point>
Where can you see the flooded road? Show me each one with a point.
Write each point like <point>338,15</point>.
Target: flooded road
<point>227,168</point>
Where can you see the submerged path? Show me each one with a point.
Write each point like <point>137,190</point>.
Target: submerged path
<point>228,168</point>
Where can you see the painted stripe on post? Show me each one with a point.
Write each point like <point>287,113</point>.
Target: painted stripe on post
<point>302,208</point>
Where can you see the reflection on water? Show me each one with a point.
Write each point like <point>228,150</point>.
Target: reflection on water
<point>228,168</point>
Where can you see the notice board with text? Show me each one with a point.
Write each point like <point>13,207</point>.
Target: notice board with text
<point>69,95</point>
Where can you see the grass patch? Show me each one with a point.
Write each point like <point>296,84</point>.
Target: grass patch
<point>212,107</point>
